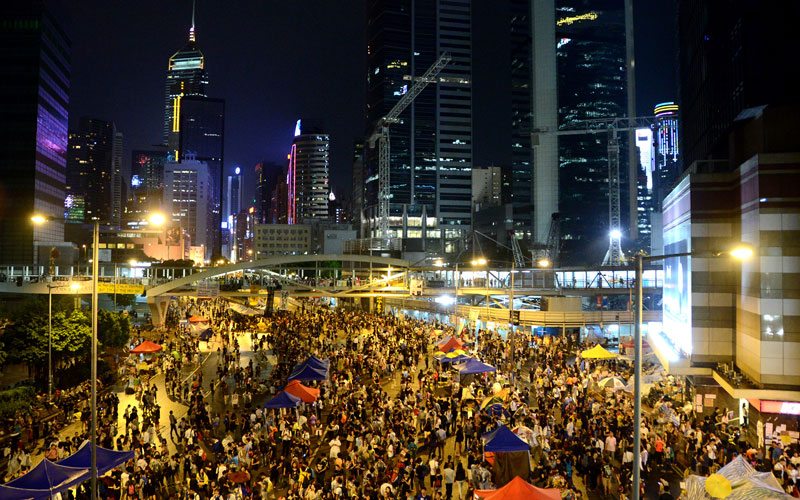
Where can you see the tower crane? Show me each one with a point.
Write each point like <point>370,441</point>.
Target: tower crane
<point>381,136</point>
<point>611,127</point>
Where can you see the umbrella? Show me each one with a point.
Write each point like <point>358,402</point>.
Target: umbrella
<point>197,319</point>
<point>239,476</point>
<point>438,353</point>
<point>718,486</point>
<point>176,355</point>
<point>525,433</point>
<point>147,347</point>
<point>460,351</point>
<point>613,383</point>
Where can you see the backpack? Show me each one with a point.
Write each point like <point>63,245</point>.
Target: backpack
<point>131,488</point>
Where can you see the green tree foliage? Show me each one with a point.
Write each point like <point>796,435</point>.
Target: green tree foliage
<point>113,329</point>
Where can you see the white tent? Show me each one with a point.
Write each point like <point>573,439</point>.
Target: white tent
<point>745,483</point>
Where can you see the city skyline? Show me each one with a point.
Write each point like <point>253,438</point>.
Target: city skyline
<point>257,91</point>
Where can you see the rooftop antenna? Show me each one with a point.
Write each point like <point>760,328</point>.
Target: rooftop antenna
<point>191,30</point>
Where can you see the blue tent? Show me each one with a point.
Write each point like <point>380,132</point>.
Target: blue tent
<point>283,400</point>
<point>305,372</point>
<point>206,334</point>
<point>50,476</point>
<point>458,359</point>
<point>503,440</point>
<point>317,362</point>
<point>8,493</point>
<point>497,410</point>
<point>106,459</point>
<point>472,365</point>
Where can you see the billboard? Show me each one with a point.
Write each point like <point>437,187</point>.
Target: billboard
<point>677,303</point>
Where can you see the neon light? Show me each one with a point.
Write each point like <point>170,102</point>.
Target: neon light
<point>291,177</point>
<point>176,114</point>
<point>237,171</point>
<point>589,16</point>
<point>644,141</point>
<point>297,128</point>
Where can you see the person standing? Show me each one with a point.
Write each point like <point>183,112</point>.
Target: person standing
<point>449,478</point>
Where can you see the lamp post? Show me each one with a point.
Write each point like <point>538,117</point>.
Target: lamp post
<point>740,253</point>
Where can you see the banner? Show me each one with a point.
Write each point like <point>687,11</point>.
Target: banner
<point>122,288</point>
<point>473,315</point>
<point>208,288</point>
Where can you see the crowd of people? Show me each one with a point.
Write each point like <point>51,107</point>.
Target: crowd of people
<point>391,421</point>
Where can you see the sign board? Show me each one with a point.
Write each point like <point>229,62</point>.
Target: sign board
<point>379,305</point>
<point>208,288</point>
<point>514,317</point>
<point>122,288</point>
<point>415,286</point>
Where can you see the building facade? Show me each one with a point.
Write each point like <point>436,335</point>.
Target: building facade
<point>282,239</point>
<point>487,187</point>
<point>431,145</point>
<point>307,176</point>
<point>187,200</point>
<point>147,169</point>
<point>33,119</point>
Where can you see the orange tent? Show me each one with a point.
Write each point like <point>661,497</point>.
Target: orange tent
<point>519,489</point>
<point>146,346</point>
<point>197,319</point>
<point>307,394</point>
<point>453,343</point>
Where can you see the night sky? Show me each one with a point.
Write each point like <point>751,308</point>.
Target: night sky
<point>277,61</point>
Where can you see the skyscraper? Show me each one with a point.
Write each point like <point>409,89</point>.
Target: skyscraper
<point>666,150</point>
<point>147,169</point>
<point>307,177</point>
<point>233,198</point>
<point>431,145</point>
<point>576,68</point>
<point>94,153</point>
<point>186,76</point>
<point>117,187</point>
<point>187,197</point>
<point>33,127</point>
<point>268,175</point>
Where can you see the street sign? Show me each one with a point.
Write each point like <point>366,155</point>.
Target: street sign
<point>208,288</point>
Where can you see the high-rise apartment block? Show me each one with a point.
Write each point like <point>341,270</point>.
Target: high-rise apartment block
<point>487,185</point>
<point>268,175</point>
<point>34,99</point>
<point>307,177</point>
<point>431,145</point>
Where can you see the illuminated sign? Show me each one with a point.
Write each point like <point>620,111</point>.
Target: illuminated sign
<point>784,407</point>
<point>644,141</point>
<point>237,171</point>
<point>563,42</point>
<point>297,128</point>
<point>135,181</point>
<point>589,16</point>
<point>665,109</point>
<point>252,209</point>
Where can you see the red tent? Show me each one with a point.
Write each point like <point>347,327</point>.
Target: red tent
<point>146,346</point>
<point>307,394</point>
<point>519,489</point>
<point>197,319</point>
<point>453,343</point>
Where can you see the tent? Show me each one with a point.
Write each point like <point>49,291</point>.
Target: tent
<point>283,400</point>
<point>736,481</point>
<point>197,319</point>
<point>8,493</point>
<point>453,343</point>
<point>497,410</point>
<point>472,365</point>
<point>452,357</point>
<point>106,459</point>
<point>503,440</point>
<point>206,334</point>
<point>307,394</point>
<point>597,352</point>
<point>49,476</point>
<point>519,489</point>
<point>305,372</point>
<point>146,347</point>
<point>613,383</point>
<point>316,363</point>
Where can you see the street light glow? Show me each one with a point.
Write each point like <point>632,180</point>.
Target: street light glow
<point>38,219</point>
<point>157,219</point>
<point>742,252</point>
<point>75,287</point>
<point>615,234</point>
<point>543,262</point>
<point>479,262</point>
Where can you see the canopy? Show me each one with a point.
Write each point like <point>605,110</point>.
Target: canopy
<point>597,352</point>
<point>503,440</point>
<point>50,476</point>
<point>316,363</point>
<point>307,372</point>
<point>283,400</point>
<point>206,334</point>
<point>452,357</point>
<point>8,493</point>
<point>146,346</point>
<point>106,459</point>
<point>736,481</point>
<point>613,383</point>
<point>519,489</point>
<point>453,343</point>
<point>307,394</point>
<point>497,410</point>
<point>443,340</point>
<point>198,319</point>
<point>472,365</point>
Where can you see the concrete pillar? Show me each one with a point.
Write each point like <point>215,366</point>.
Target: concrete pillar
<point>158,309</point>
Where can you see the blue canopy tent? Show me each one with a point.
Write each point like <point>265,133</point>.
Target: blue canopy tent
<point>472,365</point>
<point>503,440</point>
<point>8,493</point>
<point>106,459</point>
<point>50,477</point>
<point>318,362</point>
<point>457,359</point>
<point>206,334</point>
<point>283,400</point>
<point>303,372</point>
<point>497,410</point>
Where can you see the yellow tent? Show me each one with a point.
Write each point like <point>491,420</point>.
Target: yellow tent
<point>597,352</point>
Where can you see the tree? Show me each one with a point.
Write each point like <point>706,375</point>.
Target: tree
<point>113,329</point>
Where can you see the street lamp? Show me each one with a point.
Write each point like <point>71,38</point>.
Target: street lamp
<point>740,252</point>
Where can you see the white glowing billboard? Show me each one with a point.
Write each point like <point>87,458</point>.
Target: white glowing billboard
<point>644,141</point>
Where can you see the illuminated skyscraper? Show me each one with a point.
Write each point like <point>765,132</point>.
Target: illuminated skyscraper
<point>307,177</point>
<point>33,118</point>
<point>431,145</point>
<point>667,152</point>
<point>186,76</point>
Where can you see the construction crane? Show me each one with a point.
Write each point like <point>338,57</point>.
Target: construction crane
<point>381,136</point>
<point>612,127</point>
